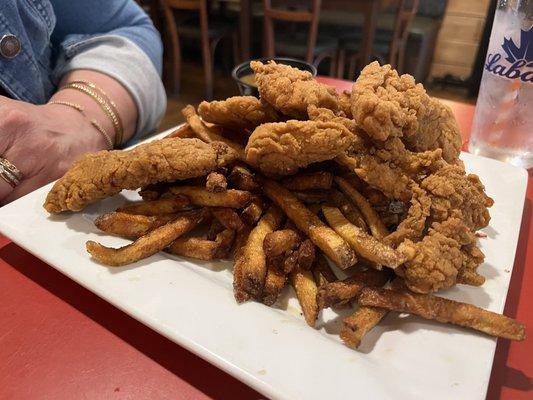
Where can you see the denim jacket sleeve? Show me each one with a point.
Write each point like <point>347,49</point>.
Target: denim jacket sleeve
<point>116,38</point>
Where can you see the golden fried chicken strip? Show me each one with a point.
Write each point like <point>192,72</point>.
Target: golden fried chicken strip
<point>238,112</point>
<point>291,90</point>
<point>444,310</point>
<point>385,104</point>
<point>104,174</point>
<point>282,148</point>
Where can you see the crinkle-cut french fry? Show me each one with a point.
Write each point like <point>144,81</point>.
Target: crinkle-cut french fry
<point>378,229</point>
<point>252,262</point>
<point>312,196</point>
<point>348,209</point>
<point>207,133</point>
<point>322,271</point>
<point>202,197</point>
<point>274,283</point>
<point>147,245</point>
<point>156,207</point>
<point>306,290</point>
<point>365,245</point>
<point>322,235</point>
<point>253,211</point>
<point>242,178</point>
<point>182,131</point>
<point>349,288</point>
<point>306,254</point>
<point>280,242</point>
<point>203,249</point>
<point>228,217</point>
<point>131,225</point>
<point>216,182</point>
<point>309,181</point>
<point>444,310</point>
<point>357,325</point>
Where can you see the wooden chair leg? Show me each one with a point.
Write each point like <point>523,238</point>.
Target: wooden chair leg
<point>352,66</point>
<point>341,61</point>
<point>334,58</point>
<point>208,67</point>
<point>172,45</point>
<point>236,48</point>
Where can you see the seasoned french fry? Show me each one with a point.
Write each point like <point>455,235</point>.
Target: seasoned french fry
<point>311,181</point>
<point>238,265</point>
<point>279,242</point>
<point>322,236</point>
<point>252,263</point>
<point>274,283</point>
<point>348,209</point>
<point>378,229</point>
<point>291,262</point>
<point>357,325</point>
<point>146,245</point>
<point>153,192</point>
<point>444,310</point>
<point>130,225</point>
<point>305,287</point>
<point>206,133</point>
<point>216,182</point>
<point>202,197</point>
<point>203,249</point>
<point>312,197</point>
<point>253,211</point>
<point>322,271</point>
<point>364,244</point>
<point>228,217</point>
<point>156,207</point>
<point>243,179</point>
<point>306,254</point>
<point>183,131</point>
<point>336,292</point>
<point>214,229</point>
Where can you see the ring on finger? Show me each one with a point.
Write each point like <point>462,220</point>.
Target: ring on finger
<point>9,172</point>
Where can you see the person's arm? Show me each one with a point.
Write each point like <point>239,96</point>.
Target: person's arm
<point>109,43</point>
<point>115,38</point>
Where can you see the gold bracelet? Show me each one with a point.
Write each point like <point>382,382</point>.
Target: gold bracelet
<point>94,123</point>
<point>104,105</point>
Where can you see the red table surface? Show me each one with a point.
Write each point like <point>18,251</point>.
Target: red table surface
<point>60,341</point>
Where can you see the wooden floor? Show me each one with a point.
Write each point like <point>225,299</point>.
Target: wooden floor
<point>192,92</point>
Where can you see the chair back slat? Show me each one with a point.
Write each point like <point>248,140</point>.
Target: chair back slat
<point>184,4</point>
<point>405,14</point>
<point>310,15</point>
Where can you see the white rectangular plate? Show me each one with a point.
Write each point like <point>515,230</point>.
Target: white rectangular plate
<point>272,349</point>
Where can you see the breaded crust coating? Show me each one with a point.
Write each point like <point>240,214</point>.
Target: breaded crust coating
<point>104,174</point>
<point>238,112</point>
<point>291,90</point>
<point>284,147</point>
<point>385,104</point>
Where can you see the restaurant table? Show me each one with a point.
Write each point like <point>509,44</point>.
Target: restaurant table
<point>59,341</point>
<point>366,7</point>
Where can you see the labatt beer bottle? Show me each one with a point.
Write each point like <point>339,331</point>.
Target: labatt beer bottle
<point>503,123</point>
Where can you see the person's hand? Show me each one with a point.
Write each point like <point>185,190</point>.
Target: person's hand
<point>42,142</point>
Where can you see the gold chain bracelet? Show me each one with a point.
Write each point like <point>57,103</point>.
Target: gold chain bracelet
<point>94,123</point>
<point>105,104</point>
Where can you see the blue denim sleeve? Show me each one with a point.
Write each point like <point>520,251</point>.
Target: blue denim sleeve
<point>78,19</point>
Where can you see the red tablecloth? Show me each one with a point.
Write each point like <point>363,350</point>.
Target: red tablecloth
<point>60,341</point>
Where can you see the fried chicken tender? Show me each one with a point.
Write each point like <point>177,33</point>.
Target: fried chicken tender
<point>105,173</point>
<point>456,194</point>
<point>385,104</point>
<point>290,90</point>
<point>238,112</point>
<point>435,262</point>
<point>282,148</point>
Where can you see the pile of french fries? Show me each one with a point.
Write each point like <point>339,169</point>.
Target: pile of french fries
<point>285,232</point>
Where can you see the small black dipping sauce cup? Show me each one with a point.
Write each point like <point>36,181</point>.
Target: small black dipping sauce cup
<point>244,69</point>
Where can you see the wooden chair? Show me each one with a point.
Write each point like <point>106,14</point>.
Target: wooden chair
<point>208,32</point>
<point>388,48</point>
<point>309,45</point>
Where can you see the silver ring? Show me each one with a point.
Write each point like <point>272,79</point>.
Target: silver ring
<point>10,173</point>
